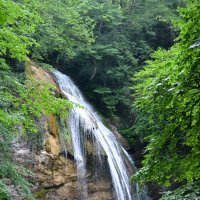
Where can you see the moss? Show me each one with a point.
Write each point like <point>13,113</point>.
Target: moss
<point>4,195</point>
<point>41,194</point>
<point>47,67</point>
<point>28,68</point>
<point>53,127</point>
<point>48,146</point>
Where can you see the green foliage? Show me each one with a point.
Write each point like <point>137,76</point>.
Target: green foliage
<point>62,27</point>
<point>4,194</point>
<point>8,124</point>
<point>37,99</point>
<point>188,191</point>
<point>65,28</point>
<point>125,36</point>
<point>16,174</point>
<point>16,25</point>
<point>168,101</point>
<point>21,104</point>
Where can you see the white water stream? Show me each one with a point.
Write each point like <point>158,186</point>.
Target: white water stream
<point>84,122</point>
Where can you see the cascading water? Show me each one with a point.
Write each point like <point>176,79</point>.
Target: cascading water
<point>85,123</point>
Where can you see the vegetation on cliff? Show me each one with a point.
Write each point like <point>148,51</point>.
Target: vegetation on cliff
<point>22,100</point>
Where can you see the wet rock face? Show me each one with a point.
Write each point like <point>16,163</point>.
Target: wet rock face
<point>55,178</point>
<point>120,138</point>
<point>32,70</point>
<point>54,175</point>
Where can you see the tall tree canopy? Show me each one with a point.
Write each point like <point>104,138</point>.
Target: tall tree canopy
<point>125,34</point>
<point>65,28</point>
<point>21,101</point>
<point>17,23</point>
<point>168,100</point>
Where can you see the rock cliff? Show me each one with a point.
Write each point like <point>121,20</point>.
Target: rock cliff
<point>54,175</point>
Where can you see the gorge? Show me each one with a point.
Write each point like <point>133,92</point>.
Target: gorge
<point>136,65</point>
<point>79,152</point>
<point>86,124</point>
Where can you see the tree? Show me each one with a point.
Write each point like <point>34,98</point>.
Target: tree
<point>20,103</point>
<point>126,32</point>
<point>168,101</point>
<point>65,28</point>
<point>16,24</point>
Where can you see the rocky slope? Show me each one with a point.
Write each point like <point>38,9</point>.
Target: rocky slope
<point>54,175</point>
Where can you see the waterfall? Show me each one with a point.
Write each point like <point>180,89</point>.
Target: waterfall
<point>86,125</point>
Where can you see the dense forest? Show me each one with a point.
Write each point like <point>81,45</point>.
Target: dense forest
<point>136,61</point>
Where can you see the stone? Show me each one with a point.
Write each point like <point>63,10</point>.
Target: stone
<point>54,175</point>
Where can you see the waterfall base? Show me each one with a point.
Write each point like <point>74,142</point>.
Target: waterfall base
<point>55,177</point>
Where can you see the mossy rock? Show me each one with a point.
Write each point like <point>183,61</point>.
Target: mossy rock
<point>41,194</point>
